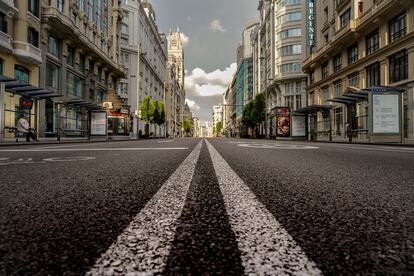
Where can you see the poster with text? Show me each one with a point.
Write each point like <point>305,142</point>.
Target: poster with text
<point>386,113</point>
<point>298,126</point>
<point>98,123</point>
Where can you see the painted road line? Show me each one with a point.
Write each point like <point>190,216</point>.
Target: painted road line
<point>143,247</point>
<point>266,247</point>
<point>91,149</point>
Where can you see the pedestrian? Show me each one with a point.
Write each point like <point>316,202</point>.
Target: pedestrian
<point>24,127</point>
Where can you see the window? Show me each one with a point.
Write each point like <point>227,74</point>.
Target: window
<point>372,42</point>
<point>298,101</point>
<point>81,5</point>
<point>373,74</point>
<point>353,54</point>
<point>353,79</point>
<point>74,85</point>
<point>337,63</point>
<point>290,2</point>
<point>326,14</point>
<point>53,46</point>
<point>292,16</point>
<point>70,60</point>
<point>98,19</point>
<point>325,94</point>
<point>289,101</point>
<point>3,23</point>
<point>89,10</point>
<point>399,66</point>
<point>33,7</point>
<point>290,67</point>
<point>397,27</point>
<point>345,18</point>
<point>325,70</point>
<point>21,73</point>
<point>1,67</point>
<point>33,37</point>
<point>311,98</point>
<point>60,5</point>
<point>338,87</point>
<point>296,32</point>
<point>124,29</point>
<point>293,87</point>
<point>291,50</point>
<point>311,77</point>
<point>52,76</point>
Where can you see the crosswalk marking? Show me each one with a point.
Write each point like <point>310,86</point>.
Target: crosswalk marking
<point>266,247</point>
<point>143,248</point>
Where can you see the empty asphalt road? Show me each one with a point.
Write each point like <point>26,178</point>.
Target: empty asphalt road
<point>206,206</point>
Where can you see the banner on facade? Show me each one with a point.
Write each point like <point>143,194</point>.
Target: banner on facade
<point>283,121</point>
<point>26,103</point>
<point>298,125</point>
<point>386,113</point>
<point>99,123</point>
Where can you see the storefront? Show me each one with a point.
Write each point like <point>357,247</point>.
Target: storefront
<point>119,117</point>
<point>19,98</point>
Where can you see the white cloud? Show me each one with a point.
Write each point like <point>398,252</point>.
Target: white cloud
<point>217,26</point>
<point>184,38</point>
<point>193,105</point>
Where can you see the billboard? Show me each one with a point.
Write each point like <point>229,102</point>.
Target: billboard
<point>298,126</point>
<point>98,123</point>
<point>283,121</point>
<point>386,113</point>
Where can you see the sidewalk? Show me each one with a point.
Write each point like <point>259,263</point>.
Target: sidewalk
<point>63,140</point>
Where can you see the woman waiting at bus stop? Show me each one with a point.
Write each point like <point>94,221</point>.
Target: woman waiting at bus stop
<point>23,126</point>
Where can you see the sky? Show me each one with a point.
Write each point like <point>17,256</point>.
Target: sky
<point>211,31</point>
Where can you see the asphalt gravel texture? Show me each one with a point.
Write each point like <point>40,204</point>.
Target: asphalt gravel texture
<point>57,218</point>
<point>350,208</point>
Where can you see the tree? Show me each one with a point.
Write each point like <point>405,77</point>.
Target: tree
<point>147,113</point>
<point>254,113</point>
<point>219,127</point>
<point>161,118</point>
<point>156,115</point>
<point>187,126</point>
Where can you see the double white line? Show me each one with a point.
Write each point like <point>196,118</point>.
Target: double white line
<point>144,246</point>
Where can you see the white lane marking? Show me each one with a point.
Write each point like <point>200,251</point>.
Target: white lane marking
<point>143,247</point>
<point>166,141</point>
<point>276,146</point>
<point>54,159</point>
<point>266,247</point>
<point>91,149</point>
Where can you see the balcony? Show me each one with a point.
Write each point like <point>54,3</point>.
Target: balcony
<point>27,52</point>
<point>345,35</point>
<point>5,43</point>
<point>7,7</point>
<point>380,9</point>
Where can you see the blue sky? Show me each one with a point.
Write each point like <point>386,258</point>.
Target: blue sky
<point>213,29</point>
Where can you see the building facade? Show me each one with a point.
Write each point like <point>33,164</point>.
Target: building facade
<point>281,42</point>
<point>176,60</point>
<point>79,47</point>
<point>20,57</point>
<point>360,44</point>
<point>143,53</point>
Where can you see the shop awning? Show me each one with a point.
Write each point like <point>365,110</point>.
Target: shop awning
<point>313,109</point>
<point>82,103</point>
<point>27,90</point>
<point>383,89</point>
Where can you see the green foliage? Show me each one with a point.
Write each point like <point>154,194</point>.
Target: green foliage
<point>161,109</point>
<point>156,114</point>
<point>147,110</point>
<point>259,109</point>
<point>187,126</point>
<point>219,127</point>
<point>254,112</point>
